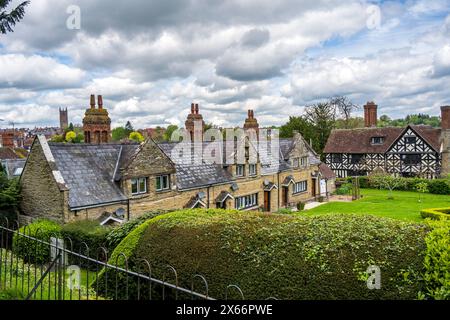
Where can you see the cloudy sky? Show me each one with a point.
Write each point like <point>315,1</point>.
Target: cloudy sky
<point>151,59</point>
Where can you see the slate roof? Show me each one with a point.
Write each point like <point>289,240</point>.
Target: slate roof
<point>359,140</point>
<point>88,171</point>
<point>13,167</point>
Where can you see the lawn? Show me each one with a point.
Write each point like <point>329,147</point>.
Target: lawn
<point>404,206</point>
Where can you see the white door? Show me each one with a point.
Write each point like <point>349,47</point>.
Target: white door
<point>323,187</point>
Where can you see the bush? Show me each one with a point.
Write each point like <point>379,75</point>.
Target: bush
<point>30,250</point>
<point>11,294</point>
<point>282,256</point>
<point>284,211</point>
<point>300,206</point>
<point>436,276</point>
<point>345,189</point>
<point>87,232</point>
<point>116,235</point>
<point>436,214</point>
<point>440,186</point>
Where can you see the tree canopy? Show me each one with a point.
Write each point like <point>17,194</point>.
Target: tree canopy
<point>9,20</point>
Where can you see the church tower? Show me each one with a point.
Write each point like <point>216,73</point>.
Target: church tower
<point>96,123</point>
<point>63,118</point>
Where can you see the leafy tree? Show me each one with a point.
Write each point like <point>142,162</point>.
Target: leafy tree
<point>70,136</point>
<point>119,133</point>
<point>136,136</point>
<point>8,20</point>
<point>323,117</point>
<point>421,187</point>
<point>57,138</point>
<point>9,196</point>
<point>300,124</point>
<point>384,180</point>
<point>128,128</point>
<point>169,131</point>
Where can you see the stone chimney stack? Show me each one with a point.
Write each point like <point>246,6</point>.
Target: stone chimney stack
<point>370,114</point>
<point>251,122</point>
<point>445,140</point>
<point>196,108</point>
<point>100,102</point>
<point>194,123</point>
<point>92,101</point>
<point>192,108</point>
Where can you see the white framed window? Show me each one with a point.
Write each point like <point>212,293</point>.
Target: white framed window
<point>246,202</point>
<point>162,183</point>
<point>138,186</point>
<point>252,169</point>
<point>295,163</point>
<point>301,186</point>
<point>240,170</point>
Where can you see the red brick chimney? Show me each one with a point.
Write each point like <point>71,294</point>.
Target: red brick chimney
<point>100,102</point>
<point>445,117</point>
<point>192,108</point>
<point>196,108</point>
<point>370,114</point>
<point>92,101</point>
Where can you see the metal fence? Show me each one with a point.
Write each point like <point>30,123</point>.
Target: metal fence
<point>61,275</point>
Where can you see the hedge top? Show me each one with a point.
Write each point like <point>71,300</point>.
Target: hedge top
<point>283,256</point>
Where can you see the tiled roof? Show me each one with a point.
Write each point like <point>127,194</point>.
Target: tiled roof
<point>88,172</point>
<point>7,153</point>
<point>359,140</point>
<point>326,172</point>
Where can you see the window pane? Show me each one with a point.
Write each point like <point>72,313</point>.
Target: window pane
<point>142,185</point>
<point>134,186</point>
<point>158,183</point>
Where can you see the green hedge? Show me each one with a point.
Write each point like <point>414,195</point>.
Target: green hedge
<point>435,186</point>
<point>436,275</point>
<point>33,251</point>
<point>282,256</point>
<point>88,232</point>
<point>436,214</point>
<point>116,235</point>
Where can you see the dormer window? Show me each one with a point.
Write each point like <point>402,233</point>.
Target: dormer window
<point>252,169</point>
<point>377,140</point>
<point>295,162</point>
<point>304,161</point>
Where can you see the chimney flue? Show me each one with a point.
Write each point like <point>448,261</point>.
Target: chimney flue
<point>445,117</point>
<point>100,102</point>
<point>196,108</point>
<point>92,101</point>
<point>192,108</point>
<point>370,114</point>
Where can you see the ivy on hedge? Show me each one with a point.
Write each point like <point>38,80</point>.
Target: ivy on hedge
<point>288,257</point>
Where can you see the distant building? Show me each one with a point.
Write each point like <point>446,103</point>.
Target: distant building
<point>414,151</point>
<point>96,123</point>
<point>63,118</point>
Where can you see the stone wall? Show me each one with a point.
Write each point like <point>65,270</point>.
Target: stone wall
<point>41,195</point>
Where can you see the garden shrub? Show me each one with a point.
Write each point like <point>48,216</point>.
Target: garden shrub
<point>30,250</point>
<point>88,232</point>
<point>441,186</point>
<point>11,294</point>
<point>436,276</point>
<point>300,206</point>
<point>116,235</point>
<point>436,214</point>
<point>282,256</point>
<point>345,189</point>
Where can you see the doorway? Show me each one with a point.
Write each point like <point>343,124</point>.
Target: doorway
<point>267,201</point>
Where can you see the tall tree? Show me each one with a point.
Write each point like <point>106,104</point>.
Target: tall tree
<point>323,118</point>
<point>301,125</point>
<point>344,107</point>
<point>170,129</point>
<point>8,20</point>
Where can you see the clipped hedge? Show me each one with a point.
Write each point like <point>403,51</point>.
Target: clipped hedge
<point>33,251</point>
<point>116,235</point>
<point>282,256</point>
<point>436,214</point>
<point>436,275</point>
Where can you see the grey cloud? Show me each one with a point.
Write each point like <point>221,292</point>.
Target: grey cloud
<point>255,38</point>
